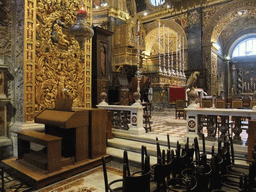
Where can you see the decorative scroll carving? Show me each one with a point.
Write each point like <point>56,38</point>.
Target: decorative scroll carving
<point>60,63</point>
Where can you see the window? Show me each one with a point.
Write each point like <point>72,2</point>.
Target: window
<point>245,48</point>
<point>157,2</point>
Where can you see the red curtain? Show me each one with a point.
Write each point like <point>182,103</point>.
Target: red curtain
<point>176,93</point>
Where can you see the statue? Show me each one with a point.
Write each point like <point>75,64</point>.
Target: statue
<point>192,92</point>
<point>192,80</point>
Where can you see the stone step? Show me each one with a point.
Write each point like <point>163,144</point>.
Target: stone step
<point>240,150</point>
<point>133,144</point>
<point>134,158</point>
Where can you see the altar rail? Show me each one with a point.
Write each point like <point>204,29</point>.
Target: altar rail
<point>218,122</point>
<point>126,118</point>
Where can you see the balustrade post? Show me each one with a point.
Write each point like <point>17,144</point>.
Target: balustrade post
<point>211,129</point>
<point>200,126</point>
<point>237,130</point>
<point>224,127</point>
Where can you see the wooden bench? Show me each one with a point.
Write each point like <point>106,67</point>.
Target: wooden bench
<point>52,159</point>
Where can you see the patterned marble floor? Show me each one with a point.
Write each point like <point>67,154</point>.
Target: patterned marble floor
<point>159,124</point>
<point>163,123</point>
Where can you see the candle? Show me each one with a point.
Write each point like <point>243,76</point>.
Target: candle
<point>183,50</point>
<point>177,62</point>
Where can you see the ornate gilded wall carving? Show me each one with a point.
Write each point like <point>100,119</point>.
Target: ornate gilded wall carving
<point>53,58</point>
<point>214,85</point>
<point>222,17</point>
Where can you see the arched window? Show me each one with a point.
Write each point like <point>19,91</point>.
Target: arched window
<point>245,48</point>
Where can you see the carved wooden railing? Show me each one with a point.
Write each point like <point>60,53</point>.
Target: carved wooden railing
<point>127,119</point>
<point>219,123</point>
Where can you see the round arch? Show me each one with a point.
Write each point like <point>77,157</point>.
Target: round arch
<point>153,33</point>
<point>224,16</point>
<point>236,39</point>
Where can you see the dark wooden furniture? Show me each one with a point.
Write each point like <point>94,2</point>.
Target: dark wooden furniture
<point>246,100</point>
<point>180,109</point>
<point>77,145</point>
<point>97,126</point>
<point>147,115</point>
<point>252,103</point>
<point>251,138</point>
<point>237,104</point>
<point>72,127</point>
<point>220,104</point>
<point>228,102</point>
<point>136,182</point>
<point>109,125</point>
<point>101,67</point>
<point>52,159</point>
<point>206,103</point>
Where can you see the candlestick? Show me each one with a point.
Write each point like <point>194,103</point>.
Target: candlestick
<point>164,67</point>
<point>183,63</point>
<point>177,62</point>
<point>159,64</point>
<point>180,73</point>
<point>168,64</point>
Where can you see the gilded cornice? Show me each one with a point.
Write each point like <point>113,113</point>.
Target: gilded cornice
<point>118,14</point>
<point>110,11</point>
<point>165,12</point>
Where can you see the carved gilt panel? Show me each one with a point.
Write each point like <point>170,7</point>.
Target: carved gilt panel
<point>53,59</point>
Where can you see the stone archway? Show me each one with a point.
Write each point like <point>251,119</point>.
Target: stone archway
<point>212,31</point>
<point>224,16</point>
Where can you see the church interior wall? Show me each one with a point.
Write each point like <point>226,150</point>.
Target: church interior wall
<point>215,28</point>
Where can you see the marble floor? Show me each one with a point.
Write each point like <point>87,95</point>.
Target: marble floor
<point>94,178</point>
<point>160,127</point>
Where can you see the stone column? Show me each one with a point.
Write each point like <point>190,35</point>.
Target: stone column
<point>18,69</point>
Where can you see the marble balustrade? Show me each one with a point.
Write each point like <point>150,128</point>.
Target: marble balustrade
<point>218,122</point>
<point>126,118</point>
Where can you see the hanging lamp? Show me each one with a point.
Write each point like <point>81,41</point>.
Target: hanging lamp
<point>81,29</point>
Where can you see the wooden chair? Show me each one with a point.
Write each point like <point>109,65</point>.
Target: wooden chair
<point>220,104</point>
<point>246,102</point>
<point>252,103</point>
<point>137,182</point>
<point>206,103</point>
<point>228,102</point>
<point>180,109</point>
<point>237,104</point>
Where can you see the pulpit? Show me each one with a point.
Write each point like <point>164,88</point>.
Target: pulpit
<point>72,127</point>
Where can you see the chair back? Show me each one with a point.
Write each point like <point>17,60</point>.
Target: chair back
<point>220,104</point>
<point>237,104</point>
<point>180,104</point>
<point>138,183</point>
<point>246,101</point>
<point>206,103</point>
<point>252,103</point>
